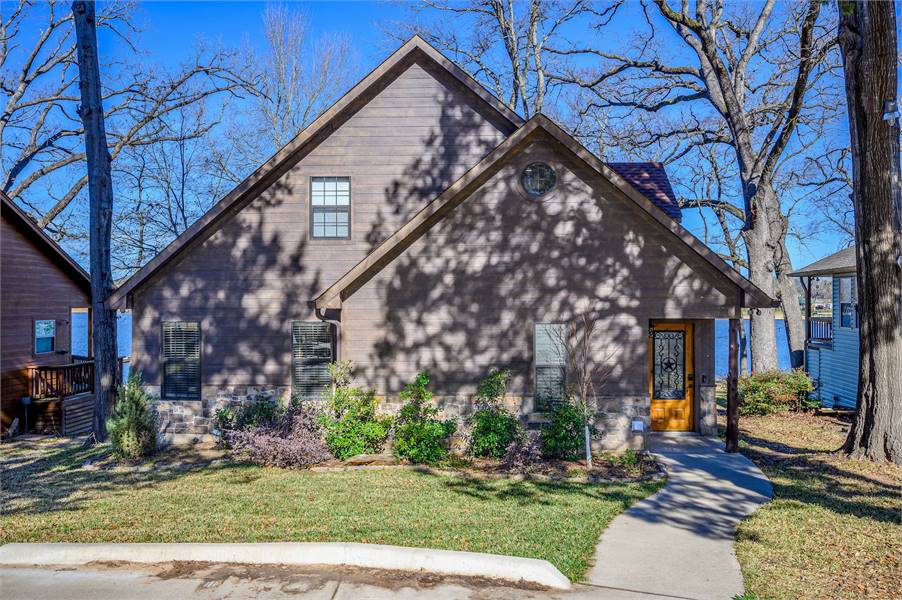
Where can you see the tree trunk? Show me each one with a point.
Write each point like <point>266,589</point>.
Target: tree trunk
<point>762,334</point>
<point>792,311</point>
<point>100,190</point>
<point>743,350</point>
<point>867,39</point>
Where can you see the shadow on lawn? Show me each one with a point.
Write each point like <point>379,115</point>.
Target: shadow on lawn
<point>816,477</point>
<point>44,475</point>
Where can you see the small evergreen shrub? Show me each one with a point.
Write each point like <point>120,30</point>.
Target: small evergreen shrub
<point>292,440</point>
<point>351,424</point>
<point>492,431</point>
<point>563,437</point>
<point>257,414</point>
<point>775,391</point>
<point>493,386</point>
<point>419,436</point>
<point>132,426</point>
<point>492,428</point>
<point>524,452</point>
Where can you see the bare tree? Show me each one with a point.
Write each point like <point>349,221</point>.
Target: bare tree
<point>504,43</point>
<point>587,369</point>
<point>298,76</point>
<point>100,189</point>
<point>748,87</point>
<point>40,131</point>
<point>867,37</point>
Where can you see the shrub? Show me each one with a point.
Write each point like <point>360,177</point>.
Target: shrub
<point>524,452</point>
<point>292,440</point>
<point>563,437</point>
<point>132,426</point>
<point>257,414</point>
<point>493,386</point>
<point>493,430</point>
<point>774,391</point>
<point>351,424</point>
<point>419,436</point>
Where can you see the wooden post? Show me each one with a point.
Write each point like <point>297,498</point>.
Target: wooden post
<point>808,311</point>
<point>732,441</point>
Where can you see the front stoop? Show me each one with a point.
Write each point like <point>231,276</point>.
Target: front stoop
<point>183,422</point>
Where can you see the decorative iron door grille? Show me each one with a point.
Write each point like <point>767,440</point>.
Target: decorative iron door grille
<point>669,365</point>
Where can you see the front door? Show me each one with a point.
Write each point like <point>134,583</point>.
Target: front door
<point>671,376</point>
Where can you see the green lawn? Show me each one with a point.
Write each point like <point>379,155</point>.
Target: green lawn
<point>48,497</point>
<point>833,529</point>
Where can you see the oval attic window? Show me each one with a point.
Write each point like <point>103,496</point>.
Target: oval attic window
<point>538,179</point>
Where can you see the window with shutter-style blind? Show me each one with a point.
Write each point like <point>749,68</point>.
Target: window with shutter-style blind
<point>311,353</point>
<point>181,360</point>
<point>550,363</point>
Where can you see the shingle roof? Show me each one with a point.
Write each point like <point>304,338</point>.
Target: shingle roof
<point>838,262</point>
<point>651,180</point>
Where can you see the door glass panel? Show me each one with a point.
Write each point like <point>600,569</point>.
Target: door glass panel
<point>669,365</point>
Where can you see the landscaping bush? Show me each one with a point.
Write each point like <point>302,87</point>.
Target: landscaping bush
<point>257,414</point>
<point>132,426</point>
<point>492,427</point>
<point>493,430</point>
<point>493,386</point>
<point>351,424</point>
<point>292,440</point>
<point>419,436</point>
<point>563,437</point>
<point>775,391</point>
<point>524,452</point>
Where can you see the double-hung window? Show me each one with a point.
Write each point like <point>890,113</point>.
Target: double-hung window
<point>311,352</point>
<point>44,336</point>
<point>848,303</point>
<point>550,357</point>
<point>330,208</point>
<point>181,360</point>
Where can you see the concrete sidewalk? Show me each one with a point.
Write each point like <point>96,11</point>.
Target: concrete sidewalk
<point>678,543</point>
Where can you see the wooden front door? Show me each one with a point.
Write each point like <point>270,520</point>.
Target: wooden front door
<point>671,378</point>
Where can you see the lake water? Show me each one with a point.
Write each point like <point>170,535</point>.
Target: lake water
<point>721,340</point>
<point>722,346</point>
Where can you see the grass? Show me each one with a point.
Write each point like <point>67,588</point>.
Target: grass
<point>48,497</point>
<point>833,529</point>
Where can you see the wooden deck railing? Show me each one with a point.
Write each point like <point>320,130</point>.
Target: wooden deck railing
<point>63,380</point>
<point>821,329</point>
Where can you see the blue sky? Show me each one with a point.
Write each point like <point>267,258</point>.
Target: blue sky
<point>171,30</point>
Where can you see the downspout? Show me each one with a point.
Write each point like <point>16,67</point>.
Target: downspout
<point>337,324</point>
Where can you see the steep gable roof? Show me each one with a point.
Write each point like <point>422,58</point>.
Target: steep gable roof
<point>27,226</point>
<point>460,190</point>
<point>311,136</point>
<point>649,179</point>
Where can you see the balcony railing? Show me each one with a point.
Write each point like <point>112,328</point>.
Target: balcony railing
<point>821,330</point>
<point>63,380</point>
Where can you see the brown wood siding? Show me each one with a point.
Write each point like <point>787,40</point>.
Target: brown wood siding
<point>465,297</point>
<point>33,286</point>
<point>258,272</point>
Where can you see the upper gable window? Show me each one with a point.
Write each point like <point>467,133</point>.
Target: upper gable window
<point>330,208</point>
<point>538,179</point>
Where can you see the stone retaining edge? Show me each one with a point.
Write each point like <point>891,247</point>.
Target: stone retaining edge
<point>373,556</point>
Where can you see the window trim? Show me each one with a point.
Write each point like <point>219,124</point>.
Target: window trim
<point>34,338</point>
<point>854,304</point>
<point>310,209</point>
<point>536,365</point>
<point>200,361</point>
<point>333,344</point>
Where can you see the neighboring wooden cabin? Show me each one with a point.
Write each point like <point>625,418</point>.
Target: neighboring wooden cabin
<point>420,224</point>
<point>831,345</point>
<point>40,289</point>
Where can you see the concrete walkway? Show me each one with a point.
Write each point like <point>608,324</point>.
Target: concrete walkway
<point>678,543</point>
